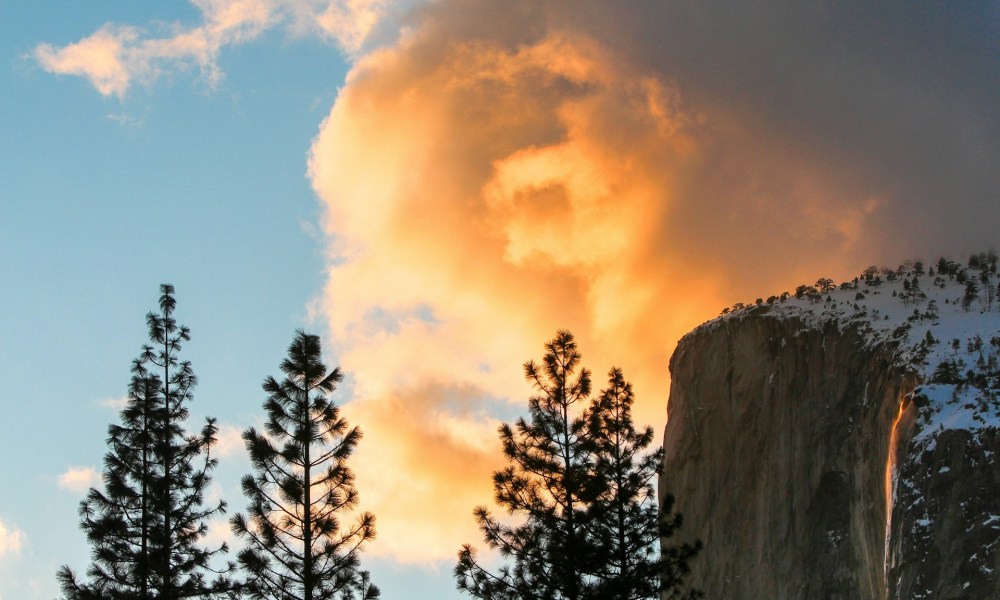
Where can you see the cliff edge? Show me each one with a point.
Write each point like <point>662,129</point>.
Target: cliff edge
<point>841,442</point>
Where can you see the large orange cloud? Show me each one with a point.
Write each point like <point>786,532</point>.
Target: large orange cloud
<point>480,194</point>
<point>507,169</point>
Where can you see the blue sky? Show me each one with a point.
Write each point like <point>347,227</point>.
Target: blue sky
<point>105,198</point>
<point>436,188</point>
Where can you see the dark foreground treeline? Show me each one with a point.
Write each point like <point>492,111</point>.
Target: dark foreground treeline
<point>579,483</point>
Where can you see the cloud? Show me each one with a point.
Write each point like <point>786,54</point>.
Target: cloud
<point>98,58</point>
<point>425,452</point>
<point>348,23</point>
<point>79,479</point>
<point>625,172</point>
<point>12,539</point>
<point>219,532</point>
<point>116,57</point>
<point>476,203</point>
<point>115,404</point>
<point>124,119</point>
<point>888,103</point>
<point>499,170</point>
<point>229,440</point>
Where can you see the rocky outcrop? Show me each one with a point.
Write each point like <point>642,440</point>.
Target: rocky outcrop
<point>816,456</point>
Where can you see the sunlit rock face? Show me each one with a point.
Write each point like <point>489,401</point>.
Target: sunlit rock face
<point>776,447</point>
<point>816,450</point>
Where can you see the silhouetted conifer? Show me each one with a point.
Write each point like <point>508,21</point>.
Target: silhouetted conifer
<point>146,524</point>
<point>296,547</point>
<point>548,483</point>
<point>623,519</point>
<point>581,482</point>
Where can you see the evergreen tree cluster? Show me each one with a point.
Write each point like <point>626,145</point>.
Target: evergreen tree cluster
<point>148,524</point>
<point>580,480</point>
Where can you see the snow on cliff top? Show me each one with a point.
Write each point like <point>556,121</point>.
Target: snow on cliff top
<point>944,315</point>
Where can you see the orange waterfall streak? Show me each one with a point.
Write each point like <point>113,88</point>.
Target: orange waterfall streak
<point>890,472</point>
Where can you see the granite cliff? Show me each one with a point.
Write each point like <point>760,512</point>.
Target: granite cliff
<point>841,442</point>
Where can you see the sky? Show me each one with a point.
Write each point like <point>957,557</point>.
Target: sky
<point>436,187</point>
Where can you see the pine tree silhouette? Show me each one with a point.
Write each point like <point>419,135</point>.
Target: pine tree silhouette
<point>624,518</point>
<point>296,547</point>
<point>145,526</point>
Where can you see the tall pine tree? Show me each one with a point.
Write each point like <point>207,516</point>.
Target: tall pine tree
<point>623,518</point>
<point>296,547</point>
<point>145,526</point>
<point>548,483</point>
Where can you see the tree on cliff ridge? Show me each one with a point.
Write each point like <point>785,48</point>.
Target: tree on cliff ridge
<point>296,547</point>
<point>581,482</point>
<point>146,524</point>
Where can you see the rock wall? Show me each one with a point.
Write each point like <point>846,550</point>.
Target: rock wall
<point>946,519</point>
<point>777,444</point>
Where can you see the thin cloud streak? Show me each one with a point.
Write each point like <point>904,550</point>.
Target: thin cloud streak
<point>115,404</point>
<point>505,170</point>
<point>116,57</point>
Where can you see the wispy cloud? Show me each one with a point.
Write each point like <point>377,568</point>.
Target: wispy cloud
<point>124,119</point>
<point>79,479</point>
<point>100,58</point>
<point>115,404</point>
<point>346,23</point>
<point>12,539</point>
<point>116,57</point>
<point>229,440</point>
<point>219,532</point>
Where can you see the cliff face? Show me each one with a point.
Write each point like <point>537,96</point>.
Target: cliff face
<point>776,445</point>
<point>816,454</point>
